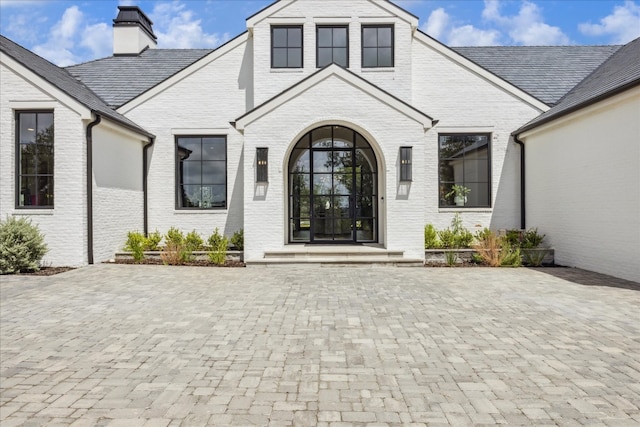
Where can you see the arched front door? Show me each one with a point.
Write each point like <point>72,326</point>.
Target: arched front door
<point>333,188</point>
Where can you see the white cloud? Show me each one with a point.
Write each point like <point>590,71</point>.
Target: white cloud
<point>176,27</point>
<point>439,26</point>
<point>58,48</point>
<point>98,38</point>
<point>623,25</point>
<point>527,27</point>
<point>468,35</point>
<point>437,23</point>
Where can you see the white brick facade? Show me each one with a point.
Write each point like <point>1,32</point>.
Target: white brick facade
<point>64,226</point>
<point>591,219</point>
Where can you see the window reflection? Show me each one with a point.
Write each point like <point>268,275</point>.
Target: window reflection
<point>201,172</point>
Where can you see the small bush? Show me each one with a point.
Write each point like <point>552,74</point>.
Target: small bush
<point>510,256</point>
<point>514,238</point>
<point>218,246</point>
<point>431,237</point>
<point>447,238</point>
<point>451,258</point>
<point>153,241</point>
<point>174,236</point>
<point>489,246</point>
<point>531,239</point>
<point>193,241</point>
<point>175,251</point>
<point>463,239</point>
<point>136,244</point>
<point>237,240</point>
<point>534,258</point>
<point>22,246</point>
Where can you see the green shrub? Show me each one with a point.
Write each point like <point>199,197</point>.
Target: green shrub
<point>22,246</point>
<point>533,257</point>
<point>152,242</point>
<point>175,251</point>
<point>447,238</point>
<point>193,241</point>
<point>174,236</point>
<point>218,247</point>
<point>431,237</point>
<point>237,240</point>
<point>514,238</point>
<point>136,243</point>
<point>451,258</point>
<point>531,239</point>
<point>484,234</point>
<point>463,239</point>
<point>510,256</point>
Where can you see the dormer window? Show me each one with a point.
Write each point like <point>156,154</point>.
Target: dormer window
<point>286,46</point>
<point>377,46</point>
<point>332,45</point>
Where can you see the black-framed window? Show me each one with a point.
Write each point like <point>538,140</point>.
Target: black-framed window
<point>286,46</point>
<point>34,159</point>
<point>464,165</point>
<point>377,46</point>
<point>332,45</point>
<point>201,172</point>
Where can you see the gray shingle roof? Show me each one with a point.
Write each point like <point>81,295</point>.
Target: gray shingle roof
<point>119,79</point>
<point>619,73</point>
<point>64,81</point>
<point>545,72</point>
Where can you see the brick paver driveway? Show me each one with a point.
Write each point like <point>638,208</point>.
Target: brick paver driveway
<point>155,346</point>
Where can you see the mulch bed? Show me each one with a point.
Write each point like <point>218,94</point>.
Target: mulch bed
<point>200,263</point>
<point>45,271</point>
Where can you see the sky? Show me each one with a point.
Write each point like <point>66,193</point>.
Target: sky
<point>72,31</point>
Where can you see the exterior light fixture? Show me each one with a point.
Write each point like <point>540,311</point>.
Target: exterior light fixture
<point>405,164</point>
<point>262,162</point>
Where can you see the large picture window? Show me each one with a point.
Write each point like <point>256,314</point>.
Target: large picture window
<point>201,172</point>
<point>465,161</point>
<point>286,47</point>
<point>377,46</point>
<point>332,46</point>
<point>34,159</point>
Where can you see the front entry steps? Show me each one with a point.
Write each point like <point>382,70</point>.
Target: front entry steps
<point>335,255</point>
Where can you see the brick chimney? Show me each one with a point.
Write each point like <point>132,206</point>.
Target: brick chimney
<point>132,31</point>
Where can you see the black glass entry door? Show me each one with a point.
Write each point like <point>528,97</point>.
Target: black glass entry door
<point>332,188</point>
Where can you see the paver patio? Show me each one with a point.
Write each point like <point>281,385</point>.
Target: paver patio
<point>116,345</point>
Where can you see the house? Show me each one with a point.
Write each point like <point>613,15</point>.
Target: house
<point>307,131</point>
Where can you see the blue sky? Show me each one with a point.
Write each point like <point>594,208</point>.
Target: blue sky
<point>72,31</point>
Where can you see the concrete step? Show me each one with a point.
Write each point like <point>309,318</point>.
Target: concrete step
<point>359,261</point>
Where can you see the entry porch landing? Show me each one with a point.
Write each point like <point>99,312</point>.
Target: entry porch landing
<point>364,254</point>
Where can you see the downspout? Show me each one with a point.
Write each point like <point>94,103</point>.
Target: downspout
<point>89,136</point>
<point>523,224</point>
<point>145,171</point>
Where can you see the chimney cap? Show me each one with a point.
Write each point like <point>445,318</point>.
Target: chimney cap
<point>133,15</point>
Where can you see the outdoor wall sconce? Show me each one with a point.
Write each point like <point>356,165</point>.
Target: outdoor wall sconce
<point>262,162</point>
<point>405,164</point>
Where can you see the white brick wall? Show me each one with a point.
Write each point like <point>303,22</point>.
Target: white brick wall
<point>117,190</point>
<point>270,82</point>
<point>583,180</point>
<point>203,103</point>
<point>64,226</point>
<point>387,130</point>
<point>462,101</point>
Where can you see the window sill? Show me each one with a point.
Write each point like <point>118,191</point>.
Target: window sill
<point>465,209</point>
<point>200,211</point>
<point>287,70</point>
<point>378,69</point>
<point>27,211</point>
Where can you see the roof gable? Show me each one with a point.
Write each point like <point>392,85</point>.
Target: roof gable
<point>346,75</point>
<point>278,5</point>
<point>617,74</point>
<point>480,71</point>
<point>64,82</point>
